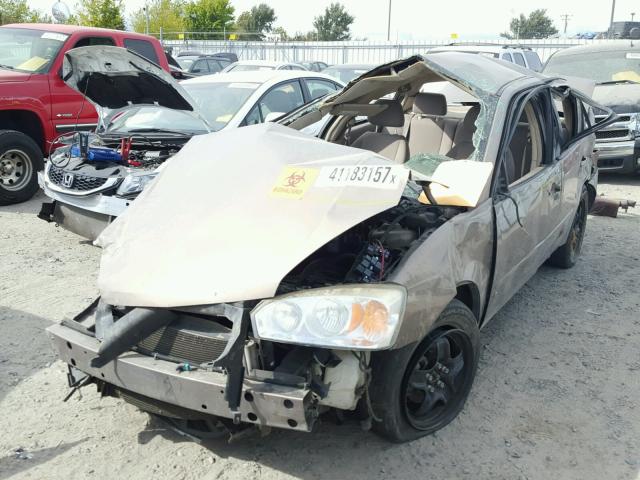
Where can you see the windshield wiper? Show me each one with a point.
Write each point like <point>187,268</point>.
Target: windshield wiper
<point>614,82</point>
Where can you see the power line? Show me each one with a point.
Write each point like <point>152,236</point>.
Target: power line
<point>565,18</point>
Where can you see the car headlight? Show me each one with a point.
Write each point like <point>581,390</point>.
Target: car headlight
<point>635,119</point>
<point>353,317</point>
<point>135,183</point>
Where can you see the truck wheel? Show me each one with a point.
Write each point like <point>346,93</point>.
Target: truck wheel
<point>418,390</point>
<point>566,255</point>
<point>20,160</point>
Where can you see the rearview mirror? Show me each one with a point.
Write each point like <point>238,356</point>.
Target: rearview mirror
<point>273,116</point>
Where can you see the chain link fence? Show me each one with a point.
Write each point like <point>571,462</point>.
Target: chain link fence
<point>362,52</point>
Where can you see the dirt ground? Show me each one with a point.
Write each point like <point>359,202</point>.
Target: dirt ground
<point>556,396</point>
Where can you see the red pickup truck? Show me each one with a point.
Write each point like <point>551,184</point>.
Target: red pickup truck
<point>36,106</point>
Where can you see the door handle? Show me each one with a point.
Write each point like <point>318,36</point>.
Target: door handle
<point>555,188</point>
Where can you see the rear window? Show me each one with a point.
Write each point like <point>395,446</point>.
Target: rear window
<point>142,47</point>
<point>533,60</point>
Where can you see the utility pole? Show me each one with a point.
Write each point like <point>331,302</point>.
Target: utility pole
<point>565,18</point>
<point>613,11</point>
<point>146,18</point>
<point>389,23</point>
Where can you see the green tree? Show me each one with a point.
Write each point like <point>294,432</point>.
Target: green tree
<point>256,22</point>
<point>335,24</point>
<point>101,13</point>
<point>17,11</point>
<point>163,14</point>
<point>209,16</point>
<point>536,25</point>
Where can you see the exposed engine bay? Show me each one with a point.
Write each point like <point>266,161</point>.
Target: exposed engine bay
<point>370,251</point>
<point>111,156</point>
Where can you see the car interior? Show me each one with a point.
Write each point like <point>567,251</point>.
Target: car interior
<point>421,125</point>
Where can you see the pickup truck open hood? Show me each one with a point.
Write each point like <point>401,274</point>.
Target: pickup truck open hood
<point>235,211</point>
<point>113,78</point>
<point>619,97</point>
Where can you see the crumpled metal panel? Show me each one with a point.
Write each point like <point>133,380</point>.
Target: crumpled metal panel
<point>233,212</point>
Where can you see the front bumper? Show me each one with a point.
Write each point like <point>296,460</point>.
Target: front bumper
<point>84,215</point>
<point>619,157</point>
<point>262,403</point>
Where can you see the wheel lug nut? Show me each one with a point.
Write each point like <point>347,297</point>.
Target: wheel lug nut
<point>430,389</point>
<point>445,370</point>
<point>440,385</point>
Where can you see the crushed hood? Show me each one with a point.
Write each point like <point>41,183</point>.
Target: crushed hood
<point>235,211</point>
<point>113,78</point>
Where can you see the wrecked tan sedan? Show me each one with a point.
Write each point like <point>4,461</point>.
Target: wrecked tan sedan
<point>268,276</point>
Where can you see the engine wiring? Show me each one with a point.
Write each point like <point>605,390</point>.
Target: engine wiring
<point>364,389</point>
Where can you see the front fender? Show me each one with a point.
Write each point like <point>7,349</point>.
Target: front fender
<point>458,252</point>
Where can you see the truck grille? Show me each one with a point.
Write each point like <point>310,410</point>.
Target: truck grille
<point>78,181</point>
<point>191,339</point>
<point>609,134</point>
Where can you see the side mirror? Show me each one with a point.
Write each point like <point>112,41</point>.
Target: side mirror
<point>273,116</point>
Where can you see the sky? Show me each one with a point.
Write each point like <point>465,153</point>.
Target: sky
<point>428,19</point>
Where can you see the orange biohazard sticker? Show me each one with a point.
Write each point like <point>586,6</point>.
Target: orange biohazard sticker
<point>293,182</point>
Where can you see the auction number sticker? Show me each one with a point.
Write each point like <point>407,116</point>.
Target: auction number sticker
<point>376,176</point>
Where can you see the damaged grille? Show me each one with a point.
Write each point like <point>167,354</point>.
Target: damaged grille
<point>607,134</point>
<point>189,339</point>
<point>74,181</point>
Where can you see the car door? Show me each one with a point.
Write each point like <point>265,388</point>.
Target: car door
<point>575,146</point>
<point>69,109</point>
<point>281,98</point>
<point>319,87</point>
<point>527,195</point>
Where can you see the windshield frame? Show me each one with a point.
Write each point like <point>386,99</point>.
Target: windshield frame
<point>49,65</point>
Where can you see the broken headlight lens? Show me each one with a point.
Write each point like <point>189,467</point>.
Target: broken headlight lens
<point>135,183</point>
<point>356,317</point>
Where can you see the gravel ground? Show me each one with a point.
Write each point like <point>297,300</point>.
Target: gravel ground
<point>556,394</point>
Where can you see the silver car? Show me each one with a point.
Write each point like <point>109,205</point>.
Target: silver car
<point>146,117</point>
<point>350,271</point>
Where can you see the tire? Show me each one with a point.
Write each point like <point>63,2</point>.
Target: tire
<point>395,400</point>
<point>567,255</point>
<point>20,161</point>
